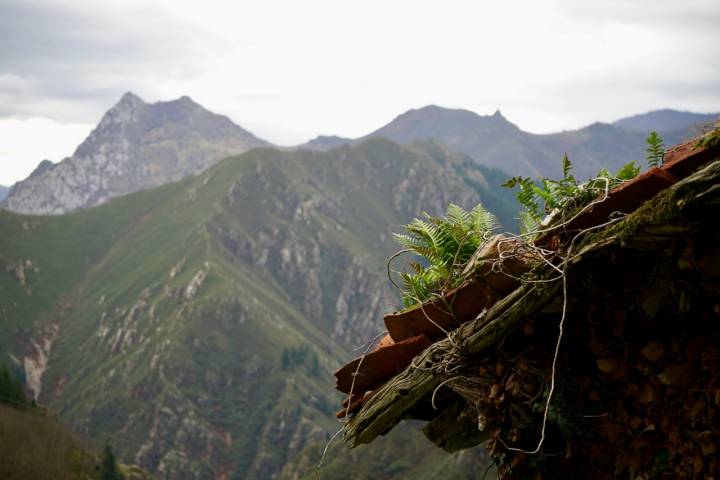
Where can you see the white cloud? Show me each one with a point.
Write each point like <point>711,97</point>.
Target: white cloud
<point>24,143</point>
<point>290,70</point>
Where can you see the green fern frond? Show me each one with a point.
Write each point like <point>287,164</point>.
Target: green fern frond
<point>483,222</point>
<point>628,171</point>
<point>456,216</point>
<point>655,151</point>
<point>423,230</point>
<point>446,244</point>
<point>566,166</point>
<point>408,241</point>
<point>568,192</point>
<point>528,223</point>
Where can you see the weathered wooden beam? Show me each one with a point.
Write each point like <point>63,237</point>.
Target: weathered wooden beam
<point>533,299</point>
<point>456,428</point>
<point>392,402</point>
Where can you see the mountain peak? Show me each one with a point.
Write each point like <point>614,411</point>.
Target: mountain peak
<point>184,103</point>
<point>136,145</point>
<point>122,113</point>
<point>450,114</point>
<point>42,168</point>
<point>130,99</point>
<point>444,124</point>
<point>325,142</point>
<point>438,110</point>
<point>665,120</point>
<point>428,108</point>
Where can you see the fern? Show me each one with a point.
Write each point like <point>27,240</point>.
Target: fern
<point>628,171</point>
<point>528,223</point>
<point>444,245</point>
<point>654,151</point>
<point>567,166</point>
<point>561,195</point>
<point>526,195</point>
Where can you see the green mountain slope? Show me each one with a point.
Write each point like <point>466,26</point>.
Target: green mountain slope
<point>403,454</point>
<point>196,325</point>
<point>36,446</point>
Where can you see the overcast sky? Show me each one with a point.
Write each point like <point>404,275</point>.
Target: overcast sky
<point>290,70</point>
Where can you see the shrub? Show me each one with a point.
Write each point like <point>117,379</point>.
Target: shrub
<point>11,390</point>
<point>108,467</point>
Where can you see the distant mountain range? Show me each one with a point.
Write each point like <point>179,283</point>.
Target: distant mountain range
<point>492,140</point>
<point>665,121</point>
<point>135,146</point>
<point>3,192</point>
<point>139,145</point>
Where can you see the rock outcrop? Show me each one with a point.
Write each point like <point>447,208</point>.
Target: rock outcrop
<point>135,146</point>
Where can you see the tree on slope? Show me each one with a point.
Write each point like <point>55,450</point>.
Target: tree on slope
<point>108,468</point>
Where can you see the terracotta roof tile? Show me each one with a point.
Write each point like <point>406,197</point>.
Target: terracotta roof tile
<point>376,367</point>
<point>685,158</point>
<point>625,198</point>
<point>445,314</point>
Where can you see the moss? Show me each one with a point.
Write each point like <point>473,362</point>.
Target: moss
<point>711,139</point>
<point>664,206</point>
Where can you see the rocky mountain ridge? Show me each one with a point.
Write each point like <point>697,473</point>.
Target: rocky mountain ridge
<point>666,120</point>
<point>138,146</point>
<point>494,141</point>
<point>135,146</point>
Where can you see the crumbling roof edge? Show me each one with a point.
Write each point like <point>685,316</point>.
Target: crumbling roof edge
<point>653,223</point>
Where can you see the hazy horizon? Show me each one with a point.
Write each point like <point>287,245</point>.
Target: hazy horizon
<point>18,172</point>
<point>289,71</point>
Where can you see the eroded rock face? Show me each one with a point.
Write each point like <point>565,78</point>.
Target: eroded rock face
<point>36,362</point>
<point>135,146</point>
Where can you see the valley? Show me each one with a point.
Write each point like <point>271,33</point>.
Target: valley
<point>159,320</point>
<point>190,305</point>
